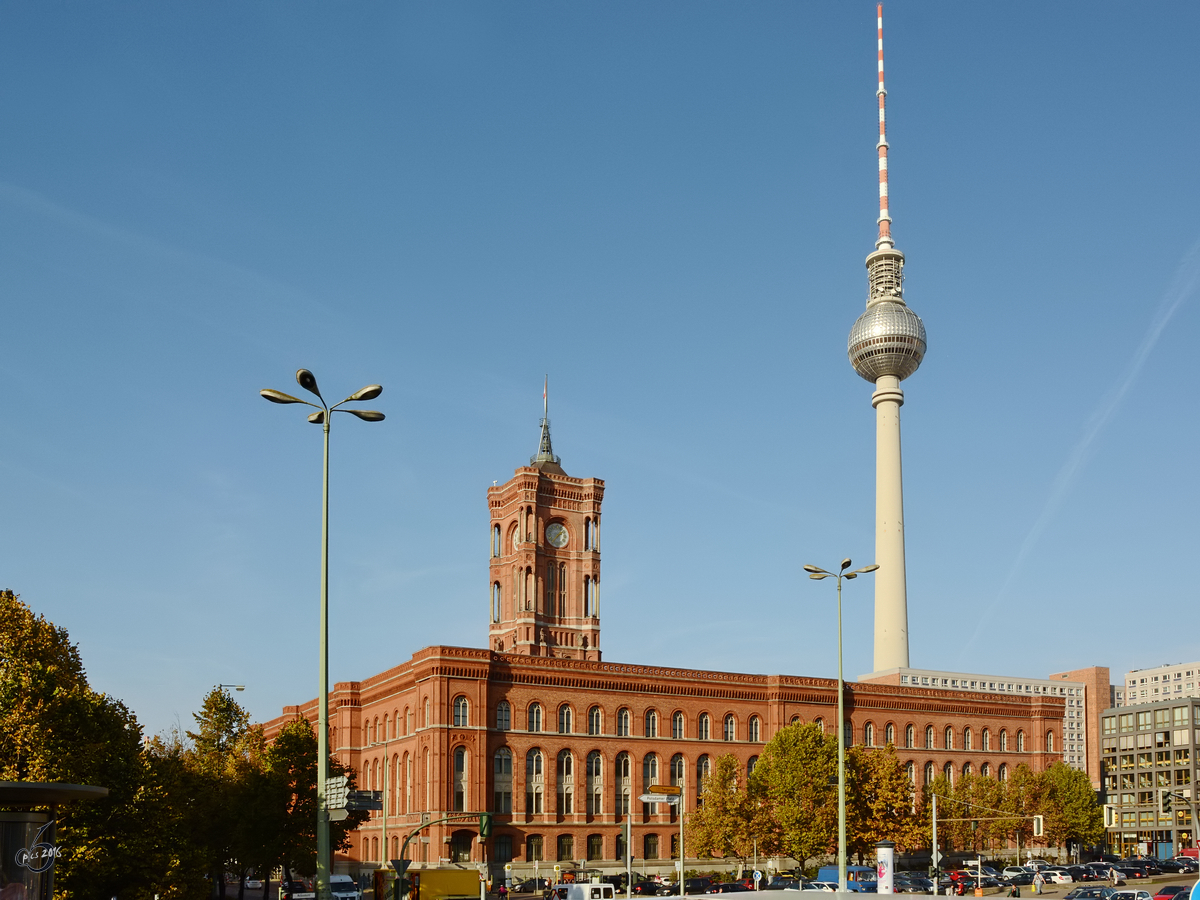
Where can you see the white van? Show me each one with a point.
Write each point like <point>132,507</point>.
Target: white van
<point>580,891</point>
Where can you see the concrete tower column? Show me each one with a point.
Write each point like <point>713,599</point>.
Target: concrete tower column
<point>891,593</point>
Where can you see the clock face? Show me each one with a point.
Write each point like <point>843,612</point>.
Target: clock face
<point>557,535</point>
<point>516,539</point>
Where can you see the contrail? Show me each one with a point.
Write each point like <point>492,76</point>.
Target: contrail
<point>1183,285</point>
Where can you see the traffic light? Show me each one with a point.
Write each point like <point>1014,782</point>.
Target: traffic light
<point>1164,800</point>
<point>1038,826</point>
<point>485,826</point>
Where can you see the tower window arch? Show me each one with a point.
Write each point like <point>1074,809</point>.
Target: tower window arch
<point>928,773</point>
<point>948,771</point>
<point>869,734</point>
<point>966,768</point>
<point>1002,772</point>
<point>564,719</point>
<point>566,782</point>
<point>677,726</point>
<point>1020,741</point>
<point>820,723</point>
<point>704,725</point>
<point>755,729</point>
<point>496,540</point>
<point>651,723</point>
<point>460,711</point>
<point>889,734</point>
<point>1049,741</point>
<point>948,737</point>
<point>677,769</point>
<point>460,779</point>
<point>535,717</point>
<point>551,586</point>
<point>967,739</point>
<point>910,736</point>
<point>985,770</point>
<point>594,767</point>
<point>750,764</point>
<point>985,740</point>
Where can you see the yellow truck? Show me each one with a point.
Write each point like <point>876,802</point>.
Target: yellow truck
<point>430,884</point>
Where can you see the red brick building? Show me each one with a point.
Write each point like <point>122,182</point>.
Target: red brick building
<point>558,743</point>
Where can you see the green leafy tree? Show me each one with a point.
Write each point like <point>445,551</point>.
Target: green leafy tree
<point>54,727</point>
<point>1067,803</point>
<point>879,802</point>
<point>722,824</point>
<point>795,804</point>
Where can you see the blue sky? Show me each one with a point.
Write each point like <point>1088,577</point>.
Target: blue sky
<point>666,207</point>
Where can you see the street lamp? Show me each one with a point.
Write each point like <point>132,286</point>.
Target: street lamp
<point>816,574</point>
<point>236,687</point>
<point>321,417</point>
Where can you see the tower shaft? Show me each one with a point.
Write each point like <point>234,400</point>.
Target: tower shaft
<point>891,592</point>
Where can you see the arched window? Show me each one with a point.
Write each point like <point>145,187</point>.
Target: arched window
<point>594,720</point>
<point>910,736</point>
<point>1002,772</point>
<point>564,719</point>
<point>1020,741</point>
<point>587,534</point>
<point>753,736</point>
<point>869,734</point>
<point>649,770</point>
<point>495,540</point>
<point>948,771</point>
<point>985,740</point>
<point>928,737</point>
<point>702,771</point>
<point>967,739</point>
<point>1003,739</point>
<point>551,586</point>
<point>750,764</point>
<point>502,781</point>
<point>460,712</point>
<point>622,722</point>
<point>426,712</point>
<point>408,720</point>
<point>566,782</point>
<point>535,717</point>
<point>910,768</point>
<point>703,728</point>
<point>496,602</point>
<point>535,782</point>
<point>966,769</point>
<point>651,723</point>
<point>985,770</point>
<point>624,783</point>
<point>677,769</point>
<point>889,734</point>
<point>595,783</point>
<point>948,737</point>
<point>928,773</point>
<point>460,779</point>
<point>503,716</point>
<point>730,727</point>
<point>795,720</point>
<point>677,726</point>
<point>1049,741</point>
<point>820,723</point>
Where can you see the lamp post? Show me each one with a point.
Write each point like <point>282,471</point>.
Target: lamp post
<point>816,574</point>
<point>236,687</point>
<point>321,417</point>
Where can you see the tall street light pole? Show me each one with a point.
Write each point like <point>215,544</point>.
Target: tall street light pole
<point>322,417</point>
<point>816,574</point>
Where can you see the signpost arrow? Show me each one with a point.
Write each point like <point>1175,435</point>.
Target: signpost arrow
<point>658,798</point>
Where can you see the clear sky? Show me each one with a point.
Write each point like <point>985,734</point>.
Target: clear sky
<point>665,206</point>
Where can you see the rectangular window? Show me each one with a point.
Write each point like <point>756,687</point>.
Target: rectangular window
<point>1162,718</point>
<point>650,845</point>
<point>1144,719</point>
<point>1162,739</point>
<point>1127,761</point>
<point>1127,722</point>
<point>1183,757</point>
<point>533,848</point>
<point>502,802</point>
<point>1143,760</point>
<point>1183,776</point>
<point>503,848</point>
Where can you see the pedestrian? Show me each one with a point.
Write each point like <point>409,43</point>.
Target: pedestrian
<point>1114,876</point>
<point>1038,881</point>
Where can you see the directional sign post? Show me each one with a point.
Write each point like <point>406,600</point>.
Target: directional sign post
<point>658,798</point>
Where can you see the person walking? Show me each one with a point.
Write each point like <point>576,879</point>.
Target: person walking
<point>1038,880</point>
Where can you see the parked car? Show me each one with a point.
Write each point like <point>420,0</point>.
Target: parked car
<point>728,887</point>
<point>1090,893</point>
<point>1171,891</point>
<point>827,886</point>
<point>1169,866</point>
<point>1132,872</point>
<point>1082,873</point>
<point>700,885</point>
<point>1131,895</point>
<point>1057,875</point>
<point>645,888</point>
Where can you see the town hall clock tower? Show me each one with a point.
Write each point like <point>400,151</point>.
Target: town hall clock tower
<point>545,560</point>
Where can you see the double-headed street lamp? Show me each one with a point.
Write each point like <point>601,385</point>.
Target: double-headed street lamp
<point>321,417</point>
<point>816,574</point>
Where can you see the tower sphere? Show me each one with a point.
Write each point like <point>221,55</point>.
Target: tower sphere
<point>887,339</point>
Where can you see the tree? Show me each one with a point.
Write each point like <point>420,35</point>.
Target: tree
<point>879,802</point>
<point>1067,803</point>
<point>796,805</point>
<point>722,824</point>
<point>54,727</point>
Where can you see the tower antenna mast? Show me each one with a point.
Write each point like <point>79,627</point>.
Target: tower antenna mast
<point>885,220</point>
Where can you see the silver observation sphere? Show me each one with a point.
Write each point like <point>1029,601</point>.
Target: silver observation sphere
<point>888,339</point>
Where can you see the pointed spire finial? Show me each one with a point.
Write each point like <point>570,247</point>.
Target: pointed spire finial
<point>885,220</point>
<point>545,459</point>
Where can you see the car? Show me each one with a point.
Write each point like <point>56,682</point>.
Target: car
<point>1131,895</point>
<point>1131,871</point>
<point>1057,876</point>
<point>827,886</point>
<point>699,885</point>
<point>1090,893</point>
<point>1082,873</point>
<point>1169,866</point>
<point>645,889</point>
<point>1149,865</point>
<point>290,890</point>
<point>728,887</point>
<point>1016,870</point>
<point>1171,891</point>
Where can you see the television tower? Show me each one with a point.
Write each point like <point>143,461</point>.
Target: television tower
<point>886,345</point>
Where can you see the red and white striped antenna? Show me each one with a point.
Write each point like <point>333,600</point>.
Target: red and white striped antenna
<point>885,221</point>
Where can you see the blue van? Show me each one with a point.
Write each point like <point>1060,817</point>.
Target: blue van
<point>860,879</point>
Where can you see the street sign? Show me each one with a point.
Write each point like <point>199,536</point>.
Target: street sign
<point>338,815</point>
<point>757,875</point>
<point>937,854</point>
<point>336,789</point>
<point>659,798</point>
<point>666,789</point>
<point>508,867</point>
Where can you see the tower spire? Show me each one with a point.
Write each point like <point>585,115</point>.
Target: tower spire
<point>885,220</point>
<point>545,459</point>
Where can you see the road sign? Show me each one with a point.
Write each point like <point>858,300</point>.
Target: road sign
<point>508,867</point>
<point>658,798</point>
<point>937,855</point>
<point>338,815</point>
<point>666,789</point>
<point>336,789</point>
<point>757,875</point>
